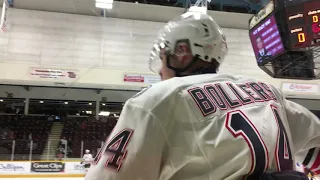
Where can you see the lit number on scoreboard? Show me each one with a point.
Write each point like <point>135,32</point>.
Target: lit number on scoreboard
<point>315,19</point>
<point>301,37</point>
<point>315,25</point>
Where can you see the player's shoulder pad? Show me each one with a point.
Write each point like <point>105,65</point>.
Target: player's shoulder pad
<point>141,92</point>
<point>154,95</point>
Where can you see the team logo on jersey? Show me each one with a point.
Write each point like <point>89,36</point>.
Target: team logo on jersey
<point>141,92</point>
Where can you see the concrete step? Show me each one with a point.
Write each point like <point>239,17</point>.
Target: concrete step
<point>53,145</point>
<point>54,138</point>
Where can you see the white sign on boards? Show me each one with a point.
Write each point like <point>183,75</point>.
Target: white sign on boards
<point>15,167</point>
<point>75,168</point>
<point>302,88</point>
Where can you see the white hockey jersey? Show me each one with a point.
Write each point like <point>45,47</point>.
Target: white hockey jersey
<point>206,127</point>
<point>87,158</point>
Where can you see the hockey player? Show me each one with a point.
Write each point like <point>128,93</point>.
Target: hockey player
<point>199,125</point>
<point>87,159</point>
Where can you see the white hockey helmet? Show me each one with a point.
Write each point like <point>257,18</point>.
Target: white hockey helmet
<point>202,34</point>
<point>87,151</point>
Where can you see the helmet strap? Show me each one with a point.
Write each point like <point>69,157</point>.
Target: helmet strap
<point>197,72</point>
<point>183,72</point>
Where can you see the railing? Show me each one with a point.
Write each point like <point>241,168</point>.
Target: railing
<point>33,150</point>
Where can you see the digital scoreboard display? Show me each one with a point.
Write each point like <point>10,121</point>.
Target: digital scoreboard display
<point>304,24</point>
<point>266,40</point>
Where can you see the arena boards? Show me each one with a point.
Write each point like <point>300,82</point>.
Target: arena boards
<point>47,178</point>
<point>42,169</point>
<point>42,176</point>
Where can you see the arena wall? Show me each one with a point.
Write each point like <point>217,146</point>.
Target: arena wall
<point>100,50</point>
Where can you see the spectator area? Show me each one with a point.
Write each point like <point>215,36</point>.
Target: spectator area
<point>87,130</point>
<point>23,129</point>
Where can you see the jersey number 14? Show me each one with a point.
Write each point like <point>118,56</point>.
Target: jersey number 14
<point>116,148</point>
<point>240,125</point>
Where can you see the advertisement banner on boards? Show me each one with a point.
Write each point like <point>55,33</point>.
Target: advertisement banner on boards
<point>74,168</point>
<point>141,78</point>
<point>56,74</point>
<point>47,167</point>
<point>300,88</point>
<point>15,167</point>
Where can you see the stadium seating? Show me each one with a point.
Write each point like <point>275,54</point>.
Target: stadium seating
<point>92,133</point>
<point>77,130</point>
<point>22,126</point>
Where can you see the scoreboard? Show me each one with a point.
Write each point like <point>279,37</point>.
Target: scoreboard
<point>285,37</point>
<point>295,25</point>
<point>303,22</point>
<point>266,40</point>
<point>265,35</point>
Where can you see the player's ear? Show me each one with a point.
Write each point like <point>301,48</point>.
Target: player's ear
<point>180,61</point>
<point>182,54</point>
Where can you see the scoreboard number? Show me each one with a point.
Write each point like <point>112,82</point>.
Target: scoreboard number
<point>315,19</point>
<point>301,37</point>
<point>315,25</point>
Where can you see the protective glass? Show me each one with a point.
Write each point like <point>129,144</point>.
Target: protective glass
<point>182,55</point>
<point>158,51</point>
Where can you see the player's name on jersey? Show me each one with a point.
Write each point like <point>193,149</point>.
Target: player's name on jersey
<point>226,96</point>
